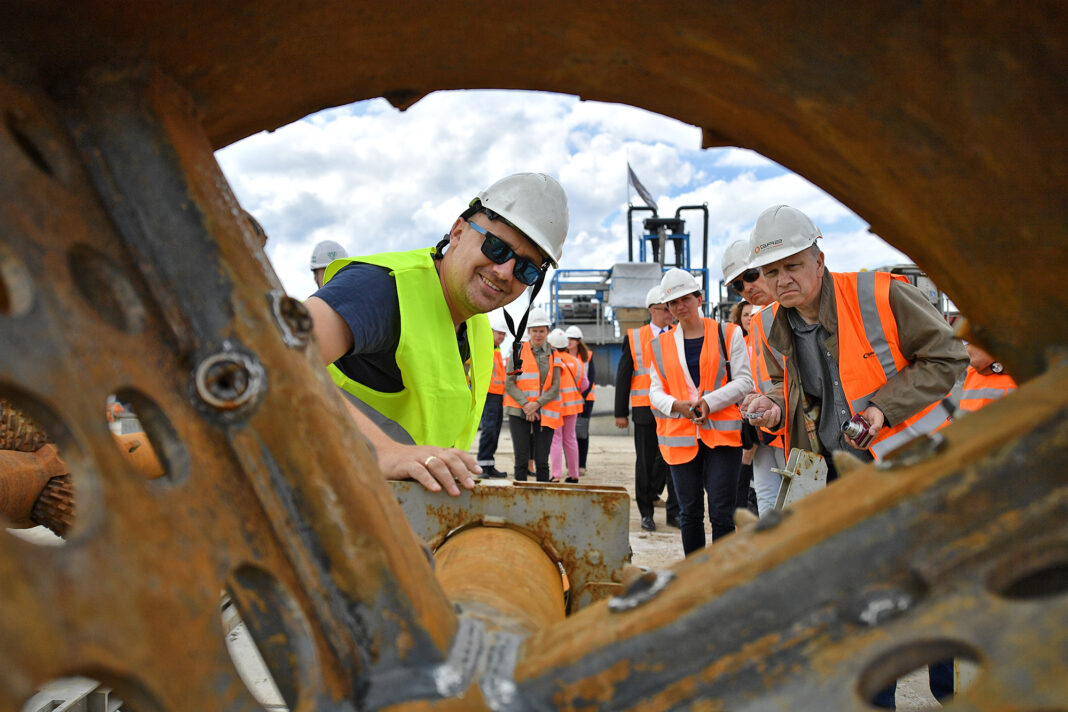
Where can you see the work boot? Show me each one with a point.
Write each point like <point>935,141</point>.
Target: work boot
<point>674,522</point>
<point>492,472</point>
<point>648,524</point>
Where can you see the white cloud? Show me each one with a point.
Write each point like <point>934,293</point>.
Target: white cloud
<point>376,179</point>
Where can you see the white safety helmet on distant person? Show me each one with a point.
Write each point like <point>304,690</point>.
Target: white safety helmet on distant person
<point>780,231</point>
<point>735,260</point>
<point>533,203</point>
<point>538,317</point>
<point>557,339</point>
<point>497,323</point>
<point>654,296</point>
<point>573,332</point>
<point>326,252</point>
<point>678,283</point>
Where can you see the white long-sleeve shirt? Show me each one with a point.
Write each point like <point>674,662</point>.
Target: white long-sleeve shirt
<point>734,391</point>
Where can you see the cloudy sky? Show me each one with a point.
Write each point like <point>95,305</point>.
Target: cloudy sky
<point>376,179</point>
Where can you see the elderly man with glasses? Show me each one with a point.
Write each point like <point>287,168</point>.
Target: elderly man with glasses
<point>405,334</point>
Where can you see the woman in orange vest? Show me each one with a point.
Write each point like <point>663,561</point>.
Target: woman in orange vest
<point>577,348</point>
<point>529,392</point>
<point>570,405</point>
<point>700,373</point>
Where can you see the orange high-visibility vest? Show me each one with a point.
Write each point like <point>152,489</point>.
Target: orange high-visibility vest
<point>759,331</point>
<point>677,435</point>
<point>586,372</point>
<point>980,391</point>
<point>641,353</point>
<point>869,355</point>
<point>570,400</point>
<point>527,381</point>
<point>497,380</point>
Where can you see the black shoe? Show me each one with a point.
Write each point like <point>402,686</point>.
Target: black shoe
<point>492,472</point>
<point>648,524</point>
<point>572,480</point>
<point>674,522</point>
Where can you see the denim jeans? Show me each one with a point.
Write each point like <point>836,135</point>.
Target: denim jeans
<point>713,471</point>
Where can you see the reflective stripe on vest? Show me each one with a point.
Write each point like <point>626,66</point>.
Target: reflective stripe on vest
<point>570,401</point>
<point>979,390</point>
<point>640,341</point>
<point>438,404</point>
<point>497,381</point>
<point>678,436</point>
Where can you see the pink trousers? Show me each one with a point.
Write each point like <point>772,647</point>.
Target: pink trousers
<point>565,444</point>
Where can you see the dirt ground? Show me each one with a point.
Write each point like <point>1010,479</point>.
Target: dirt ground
<point>611,462</point>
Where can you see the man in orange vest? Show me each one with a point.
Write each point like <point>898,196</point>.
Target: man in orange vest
<point>852,344</point>
<point>632,397</point>
<point>493,411</point>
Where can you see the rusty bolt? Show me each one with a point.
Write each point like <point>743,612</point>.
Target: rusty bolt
<point>293,318</point>
<point>228,380</point>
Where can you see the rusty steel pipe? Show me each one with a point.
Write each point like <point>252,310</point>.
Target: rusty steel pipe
<point>501,576</point>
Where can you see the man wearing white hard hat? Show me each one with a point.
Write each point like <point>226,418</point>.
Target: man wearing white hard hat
<point>530,389</point>
<point>322,255</point>
<point>493,412</point>
<point>862,347</point>
<point>405,333</point>
<point>749,283</point>
<point>632,398</point>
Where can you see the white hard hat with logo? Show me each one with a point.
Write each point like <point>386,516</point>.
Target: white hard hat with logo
<point>573,332</point>
<point>535,204</point>
<point>538,317</point>
<point>735,260</point>
<point>557,339</point>
<point>654,296</point>
<point>678,283</point>
<point>326,252</point>
<point>780,231</point>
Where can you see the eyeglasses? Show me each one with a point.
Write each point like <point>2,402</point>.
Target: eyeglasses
<point>750,275</point>
<point>500,252</point>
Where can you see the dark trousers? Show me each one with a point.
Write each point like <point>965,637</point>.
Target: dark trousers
<point>651,472</point>
<point>530,439</point>
<point>584,437</point>
<point>745,480</point>
<point>713,471</point>
<point>492,418</point>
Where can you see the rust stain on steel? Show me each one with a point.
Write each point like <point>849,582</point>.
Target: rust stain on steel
<point>23,475</point>
<point>501,576</point>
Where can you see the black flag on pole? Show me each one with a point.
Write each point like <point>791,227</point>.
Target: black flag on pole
<point>642,190</point>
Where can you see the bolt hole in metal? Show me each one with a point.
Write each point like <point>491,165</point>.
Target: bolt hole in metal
<point>916,658</point>
<point>16,286</point>
<point>228,380</point>
<point>106,289</point>
<point>1038,572</point>
<point>268,638</point>
<point>41,467</point>
<point>145,437</point>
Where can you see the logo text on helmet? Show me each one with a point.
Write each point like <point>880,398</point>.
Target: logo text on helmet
<point>769,243</point>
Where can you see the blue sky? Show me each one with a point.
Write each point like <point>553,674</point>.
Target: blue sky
<point>376,179</point>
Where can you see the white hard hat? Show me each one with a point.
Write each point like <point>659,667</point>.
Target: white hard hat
<point>780,231</point>
<point>326,252</point>
<point>557,339</point>
<point>497,323</point>
<point>538,317</point>
<point>678,283</point>
<point>735,260</point>
<point>573,332</point>
<point>536,205</point>
<point>654,296</point>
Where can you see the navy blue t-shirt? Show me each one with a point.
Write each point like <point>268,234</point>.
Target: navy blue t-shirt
<point>693,358</point>
<point>365,296</point>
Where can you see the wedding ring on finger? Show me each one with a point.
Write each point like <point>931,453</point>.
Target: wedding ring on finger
<point>426,462</point>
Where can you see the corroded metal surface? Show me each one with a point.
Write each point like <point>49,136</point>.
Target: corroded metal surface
<point>583,528</point>
<point>127,267</point>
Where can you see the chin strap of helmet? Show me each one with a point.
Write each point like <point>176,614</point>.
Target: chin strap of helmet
<point>517,343</point>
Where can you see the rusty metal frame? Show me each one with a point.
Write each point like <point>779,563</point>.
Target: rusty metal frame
<point>942,124</point>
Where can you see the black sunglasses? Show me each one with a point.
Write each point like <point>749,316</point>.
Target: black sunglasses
<point>500,252</point>
<point>750,275</point>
